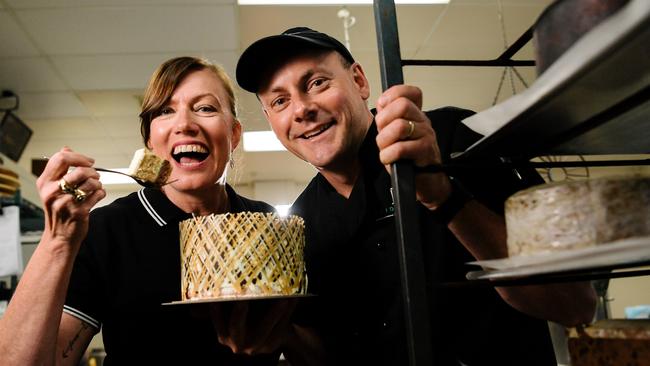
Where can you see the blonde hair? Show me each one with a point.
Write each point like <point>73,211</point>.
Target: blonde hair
<point>164,81</point>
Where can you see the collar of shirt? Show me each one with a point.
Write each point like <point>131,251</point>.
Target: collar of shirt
<point>343,215</point>
<point>164,212</point>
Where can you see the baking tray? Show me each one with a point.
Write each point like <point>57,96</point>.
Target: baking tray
<point>617,253</point>
<point>9,180</point>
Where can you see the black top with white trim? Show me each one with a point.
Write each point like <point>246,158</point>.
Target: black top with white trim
<point>128,265</point>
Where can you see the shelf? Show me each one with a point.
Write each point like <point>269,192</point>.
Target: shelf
<point>584,264</point>
<point>623,253</point>
<point>32,217</point>
<point>595,99</point>
<point>587,274</point>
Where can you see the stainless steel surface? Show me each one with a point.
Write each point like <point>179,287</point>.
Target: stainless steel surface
<point>563,23</point>
<point>595,99</point>
<point>416,307</point>
<point>141,182</point>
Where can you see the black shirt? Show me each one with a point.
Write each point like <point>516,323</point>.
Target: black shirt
<point>128,265</point>
<point>352,265</point>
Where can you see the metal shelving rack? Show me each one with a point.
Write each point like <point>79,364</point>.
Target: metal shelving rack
<point>595,99</point>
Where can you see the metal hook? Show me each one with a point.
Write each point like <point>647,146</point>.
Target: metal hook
<point>348,22</point>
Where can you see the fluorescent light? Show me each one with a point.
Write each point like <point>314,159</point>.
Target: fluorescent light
<point>334,2</point>
<point>283,210</point>
<point>262,141</point>
<point>112,178</point>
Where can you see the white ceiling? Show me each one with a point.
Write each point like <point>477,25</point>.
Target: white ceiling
<point>79,66</point>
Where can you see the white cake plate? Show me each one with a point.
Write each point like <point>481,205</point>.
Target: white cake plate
<point>236,298</point>
<point>627,251</point>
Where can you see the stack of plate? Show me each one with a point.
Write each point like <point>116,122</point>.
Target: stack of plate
<point>9,182</point>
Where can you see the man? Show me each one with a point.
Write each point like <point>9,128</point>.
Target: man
<point>314,95</point>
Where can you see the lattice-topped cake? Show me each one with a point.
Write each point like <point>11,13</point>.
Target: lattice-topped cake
<point>149,167</point>
<point>242,254</point>
<point>571,215</point>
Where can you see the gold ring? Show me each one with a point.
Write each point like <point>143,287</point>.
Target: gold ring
<point>79,195</point>
<point>411,129</point>
<point>65,186</point>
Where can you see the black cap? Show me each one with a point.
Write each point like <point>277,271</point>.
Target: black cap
<point>251,64</point>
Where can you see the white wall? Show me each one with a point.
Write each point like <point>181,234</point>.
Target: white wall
<point>629,291</point>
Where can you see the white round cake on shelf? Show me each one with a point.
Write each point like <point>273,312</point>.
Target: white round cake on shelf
<point>246,254</point>
<point>580,214</point>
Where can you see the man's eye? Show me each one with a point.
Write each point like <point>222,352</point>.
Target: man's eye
<point>278,102</point>
<point>316,83</point>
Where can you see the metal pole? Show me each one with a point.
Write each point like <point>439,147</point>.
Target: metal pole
<point>416,312</point>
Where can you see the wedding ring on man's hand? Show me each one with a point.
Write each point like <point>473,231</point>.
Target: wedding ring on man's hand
<point>79,195</point>
<point>411,129</point>
<point>66,187</point>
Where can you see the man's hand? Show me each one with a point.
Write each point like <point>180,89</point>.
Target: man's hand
<point>253,327</point>
<point>405,132</point>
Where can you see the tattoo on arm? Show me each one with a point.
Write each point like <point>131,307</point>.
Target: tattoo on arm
<point>68,349</point>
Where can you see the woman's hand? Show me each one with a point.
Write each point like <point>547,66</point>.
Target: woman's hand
<point>67,210</point>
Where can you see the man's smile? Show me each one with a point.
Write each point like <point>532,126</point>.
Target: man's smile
<point>318,131</point>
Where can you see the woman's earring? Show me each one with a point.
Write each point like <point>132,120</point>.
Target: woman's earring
<point>231,162</point>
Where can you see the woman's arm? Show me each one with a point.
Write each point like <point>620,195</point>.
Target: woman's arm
<point>34,330</point>
<point>33,325</point>
<point>73,340</point>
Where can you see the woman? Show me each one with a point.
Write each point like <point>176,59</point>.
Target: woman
<point>120,263</point>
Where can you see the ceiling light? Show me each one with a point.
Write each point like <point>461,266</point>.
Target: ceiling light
<point>262,141</point>
<point>334,2</point>
<point>282,210</point>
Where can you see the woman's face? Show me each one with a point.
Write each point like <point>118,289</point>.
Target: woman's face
<point>196,132</point>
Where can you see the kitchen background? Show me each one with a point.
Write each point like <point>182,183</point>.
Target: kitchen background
<point>79,68</point>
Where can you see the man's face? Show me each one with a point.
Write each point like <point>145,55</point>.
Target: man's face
<point>317,108</point>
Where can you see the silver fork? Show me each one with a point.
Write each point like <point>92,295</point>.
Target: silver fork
<point>140,181</point>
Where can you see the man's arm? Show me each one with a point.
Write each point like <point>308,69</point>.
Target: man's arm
<point>482,232</point>
<point>405,132</point>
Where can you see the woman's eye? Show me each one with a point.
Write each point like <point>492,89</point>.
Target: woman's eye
<point>165,111</point>
<point>206,109</point>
